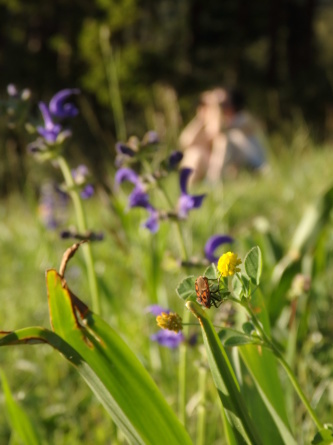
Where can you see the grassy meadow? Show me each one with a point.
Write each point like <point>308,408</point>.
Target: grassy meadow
<point>136,269</point>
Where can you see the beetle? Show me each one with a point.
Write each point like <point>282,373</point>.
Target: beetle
<point>205,296</point>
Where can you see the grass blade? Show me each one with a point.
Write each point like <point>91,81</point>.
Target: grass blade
<point>18,419</point>
<point>225,381</point>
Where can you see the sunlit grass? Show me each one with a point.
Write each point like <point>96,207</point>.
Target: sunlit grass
<point>126,265</point>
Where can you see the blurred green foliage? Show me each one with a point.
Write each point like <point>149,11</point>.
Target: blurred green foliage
<point>277,51</point>
<point>145,63</point>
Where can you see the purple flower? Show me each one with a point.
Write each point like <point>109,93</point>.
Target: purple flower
<point>151,137</point>
<point>169,339</point>
<point>156,309</point>
<point>80,174</point>
<point>124,149</point>
<point>50,131</point>
<point>138,197</point>
<point>126,174</point>
<point>213,243</point>
<point>58,106</point>
<point>175,158</point>
<point>187,202</point>
<point>152,223</point>
<point>87,192</point>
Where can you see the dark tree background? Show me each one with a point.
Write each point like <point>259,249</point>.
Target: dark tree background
<point>278,51</point>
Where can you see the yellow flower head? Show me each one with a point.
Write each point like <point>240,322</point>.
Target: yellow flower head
<point>228,263</point>
<point>171,321</point>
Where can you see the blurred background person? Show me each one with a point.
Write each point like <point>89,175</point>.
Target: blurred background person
<point>197,138</point>
<point>240,143</point>
<point>222,138</point>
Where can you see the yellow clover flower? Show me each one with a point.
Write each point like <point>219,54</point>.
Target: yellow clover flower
<point>227,264</point>
<point>171,321</point>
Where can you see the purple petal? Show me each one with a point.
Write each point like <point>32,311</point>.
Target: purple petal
<point>175,158</point>
<point>183,178</point>
<point>156,309</point>
<point>50,131</point>
<point>151,137</point>
<point>169,339</point>
<point>126,174</point>
<point>124,149</point>
<point>49,135</point>
<point>48,122</point>
<point>187,203</point>
<point>152,222</point>
<point>213,243</point>
<point>59,108</point>
<point>197,201</point>
<point>138,198</point>
<point>80,173</point>
<point>87,192</point>
<point>12,90</point>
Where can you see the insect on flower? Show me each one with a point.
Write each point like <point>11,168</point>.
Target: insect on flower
<point>205,296</point>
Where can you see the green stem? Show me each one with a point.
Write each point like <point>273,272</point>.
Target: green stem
<point>285,365</point>
<point>186,317</point>
<point>201,423</point>
<point>182,371</point>
<point>113,83</point>
<point>82,228</point>
<point>177,224</point>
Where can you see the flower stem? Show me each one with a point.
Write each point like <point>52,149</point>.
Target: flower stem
<point>201,422</point>
<point>285,365</point>
<point>82,228</point>
<point>182,370</point>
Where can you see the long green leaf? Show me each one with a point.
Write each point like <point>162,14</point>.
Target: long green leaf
<point>225,381</point>
<point>19,421</point>
<point>263,367</point>
<point>133,399</point>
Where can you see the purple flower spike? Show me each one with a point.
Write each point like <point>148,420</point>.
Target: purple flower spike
<point>126,174</point>
<point>50,131</point>
<point>87,192</point>
<point>213,243</point>
<point>152,222</point>
<point>175,158</point>
<point>156,309</point>
<point>187,202</point>
<point>169,339</point>
<point>59,108</point>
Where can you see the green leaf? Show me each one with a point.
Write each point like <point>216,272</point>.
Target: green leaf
<point>263,368</point>
<point>186,288</point>
<point>112,370</point>
<point>241,340</point>
<point>19,421</point>
<point>248,327</point>
<point>240,287</point>
<point>231,337</point>
<point>225,381</point>
<point>253,265</point>
<point>323,437</point>
<point>211,272</point>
